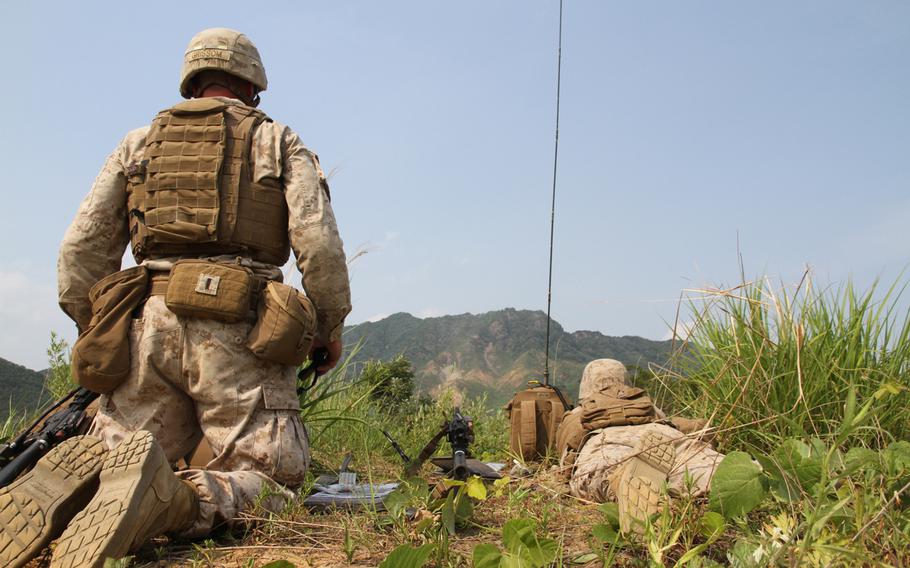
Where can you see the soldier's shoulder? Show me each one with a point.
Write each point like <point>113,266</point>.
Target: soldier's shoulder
<point>133,143</point>
<point>137,134</point>
<point>289,138</point>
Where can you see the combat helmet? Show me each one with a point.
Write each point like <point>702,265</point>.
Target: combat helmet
<point>222,49</point>
<point>600,374</point>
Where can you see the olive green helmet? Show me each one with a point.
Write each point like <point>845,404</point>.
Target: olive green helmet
<point>222,49</point>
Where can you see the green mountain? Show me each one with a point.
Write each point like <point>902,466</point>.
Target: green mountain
<point>496,352</point>
<point>20,388</point>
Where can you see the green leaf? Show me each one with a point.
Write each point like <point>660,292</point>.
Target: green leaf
<point>476,488</point>
<point>737,486</point>
<point>610,511</point>
<point>520,539</point>
<point>517,531</point>
<point>897,457</point>
<point>781,487</point>
<point>510,560</point>
<point>585,558</point>
<point>546,553</point>
<point>501,484</point>
<point>858,458</point>
<point>606,534</point>
<point>279,564</point>
<point>743,555</point>
<point>800,462</point>
<point>405,556</point>
<point>711,526</point>
<point>447,513</point>
<point>464,509</point>
<point>486,556</point>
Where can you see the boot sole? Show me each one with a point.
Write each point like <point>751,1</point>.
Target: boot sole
<point>36,508</point>
<point>107,525</point>
<point>642,481</point>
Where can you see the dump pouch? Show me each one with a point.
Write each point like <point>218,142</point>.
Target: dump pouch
<point>285,325</point>
<point>101,355</point>
<point>209,290</point>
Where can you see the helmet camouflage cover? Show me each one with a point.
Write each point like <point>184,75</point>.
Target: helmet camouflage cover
<point>600,374</point>
<point>222,49</point>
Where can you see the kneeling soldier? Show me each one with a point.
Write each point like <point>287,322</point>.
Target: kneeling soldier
<point>201,339</point>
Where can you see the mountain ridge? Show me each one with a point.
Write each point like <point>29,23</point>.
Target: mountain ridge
<point>494,352</point>
<point>21,389</point>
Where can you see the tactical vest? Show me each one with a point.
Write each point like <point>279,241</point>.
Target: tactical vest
<point>193,194</point>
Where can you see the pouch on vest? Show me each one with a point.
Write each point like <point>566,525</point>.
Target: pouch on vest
<point>617,406</point>
<point>285,326</point>
<point>534,416</point>
<point>201,289</point>
<point>101,355</point>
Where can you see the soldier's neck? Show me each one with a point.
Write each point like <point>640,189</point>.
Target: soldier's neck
<point>217,91</point>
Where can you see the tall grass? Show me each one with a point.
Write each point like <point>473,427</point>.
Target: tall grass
<point>342,416</point>
<point>767,364</point>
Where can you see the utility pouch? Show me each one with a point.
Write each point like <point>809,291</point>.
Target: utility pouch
<point>617,406</point>
<point>285,327</point>
<point>209,290</point>
<point>101,355</point>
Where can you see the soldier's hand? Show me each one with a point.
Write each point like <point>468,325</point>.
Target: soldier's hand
<point>334,349</point>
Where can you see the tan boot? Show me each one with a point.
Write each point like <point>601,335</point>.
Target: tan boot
<point>640,481</point>
<point>139,498</point>
<point>35,508</point>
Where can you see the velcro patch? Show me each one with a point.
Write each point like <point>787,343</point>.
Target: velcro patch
<point>208,284</point>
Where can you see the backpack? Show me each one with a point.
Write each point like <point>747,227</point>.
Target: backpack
<point>534,416</point>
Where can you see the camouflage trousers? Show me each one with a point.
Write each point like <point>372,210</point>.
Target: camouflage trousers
<point>193,379</point>
<point>604,452</point>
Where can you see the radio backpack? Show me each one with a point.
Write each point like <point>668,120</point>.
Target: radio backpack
<point>534,416</point>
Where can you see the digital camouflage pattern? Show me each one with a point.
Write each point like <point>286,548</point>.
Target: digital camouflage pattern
<point>192,378</point>
<point>94,243</point>
<point>606,451</point>
<point>600,374</point>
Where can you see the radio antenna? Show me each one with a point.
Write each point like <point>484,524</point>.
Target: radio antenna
<point>546,363</point>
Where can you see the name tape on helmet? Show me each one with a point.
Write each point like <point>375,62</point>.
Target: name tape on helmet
<point>208,54</point>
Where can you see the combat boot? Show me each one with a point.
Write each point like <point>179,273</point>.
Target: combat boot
<point>139,498</point>
<point>640,481</point>
<point>35,508</point>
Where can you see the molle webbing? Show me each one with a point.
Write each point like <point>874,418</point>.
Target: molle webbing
<point>194,193</point>
<point>185,154</point>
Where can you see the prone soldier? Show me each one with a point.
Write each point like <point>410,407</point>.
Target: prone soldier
<point>616,445</point>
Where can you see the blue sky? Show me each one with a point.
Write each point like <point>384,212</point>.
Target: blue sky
<point>688,129</point>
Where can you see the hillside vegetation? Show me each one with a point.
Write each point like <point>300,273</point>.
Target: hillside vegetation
<point>809,395</point>
<point>21,389</point>
<point>494,353</point>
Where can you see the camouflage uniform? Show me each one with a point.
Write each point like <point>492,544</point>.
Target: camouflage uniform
<point>195,378</point>
<point>605,451</point>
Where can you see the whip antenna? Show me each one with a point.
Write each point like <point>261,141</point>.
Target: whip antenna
<point>546,363</point>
